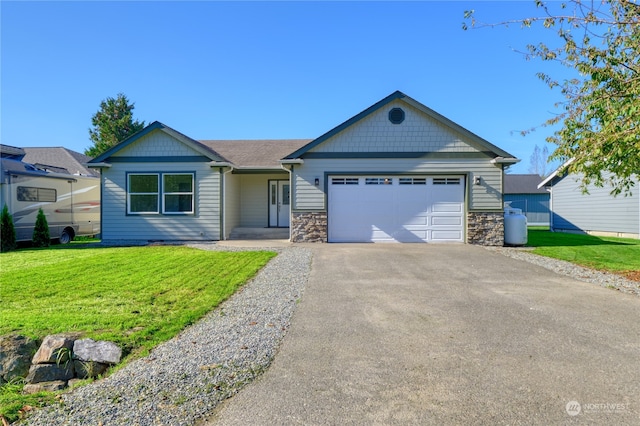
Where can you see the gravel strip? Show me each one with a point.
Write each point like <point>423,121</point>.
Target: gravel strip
<point>185,378</point>
<point>581,273</point>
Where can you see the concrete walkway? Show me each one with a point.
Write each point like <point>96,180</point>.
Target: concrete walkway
<point>447,334</point>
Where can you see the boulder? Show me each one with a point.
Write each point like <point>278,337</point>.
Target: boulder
<point>89,369</point>
<point>50,372</point>
<point>101,351</point>
<point>44,387</point>
<point>15,356</point>
<point>55,348</point>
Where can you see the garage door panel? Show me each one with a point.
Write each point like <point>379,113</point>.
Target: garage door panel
<point>447,207</point>
<point>392,209</point>
<point>446,221</point>
<point>441,235</point>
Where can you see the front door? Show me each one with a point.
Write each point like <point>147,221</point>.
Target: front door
<point>279,203</point>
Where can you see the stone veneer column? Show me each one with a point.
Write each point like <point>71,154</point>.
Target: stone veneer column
<point>485,228</point>
<point>309,227</point>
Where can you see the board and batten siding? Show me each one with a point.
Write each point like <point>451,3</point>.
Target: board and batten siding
<point>596,212</point>
<point>484,197</point>
<point>534,206</point>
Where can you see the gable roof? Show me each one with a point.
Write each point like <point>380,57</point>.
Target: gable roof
<point>58,159</point>
<point>420,107</point>
<point>156,125</point>
<point>255,154</point>
<point>522,184</point>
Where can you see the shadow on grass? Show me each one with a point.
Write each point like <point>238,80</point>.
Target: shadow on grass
<point>76,245</point>
<point>539,238</point>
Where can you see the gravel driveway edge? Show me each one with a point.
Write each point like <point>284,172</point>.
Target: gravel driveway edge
<point>581,273</point>
<point>184,378</point>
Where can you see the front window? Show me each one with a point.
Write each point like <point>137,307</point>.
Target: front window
<point>143,193</point>
<point>177,193</point>
<point>166,193</point>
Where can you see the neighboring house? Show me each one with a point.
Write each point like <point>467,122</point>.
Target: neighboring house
<point>59,160</point>
<point>397,171</point>
<point>596,212</point>
<point>522,192</point>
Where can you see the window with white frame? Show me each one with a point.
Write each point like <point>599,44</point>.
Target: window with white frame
<point>166,193</point>
<point>177,193</point>
<point>143,193</point>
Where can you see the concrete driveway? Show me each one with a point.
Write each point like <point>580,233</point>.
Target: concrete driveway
<point>447,334</point>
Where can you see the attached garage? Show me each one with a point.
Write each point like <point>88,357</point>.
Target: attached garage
<point>396,208</point>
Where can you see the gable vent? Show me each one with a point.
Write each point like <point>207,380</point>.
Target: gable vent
<point>396,115</point>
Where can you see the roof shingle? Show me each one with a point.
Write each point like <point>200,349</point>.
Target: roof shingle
<point>255,154</point>
<point>522,184</point>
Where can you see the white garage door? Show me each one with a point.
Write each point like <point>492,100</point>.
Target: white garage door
<point>396,209</point>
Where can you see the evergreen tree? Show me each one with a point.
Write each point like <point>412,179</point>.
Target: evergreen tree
<point>8,231</point>
<point>41,236</point>
<point>112,124</point>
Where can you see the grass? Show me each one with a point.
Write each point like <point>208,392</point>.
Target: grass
<point>136,297</point>
<point>13,404</point>
<point>617,255</point>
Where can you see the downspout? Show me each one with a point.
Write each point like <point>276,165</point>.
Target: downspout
<point>221,165</point>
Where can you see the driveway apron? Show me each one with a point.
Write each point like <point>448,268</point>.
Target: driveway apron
<point>396,334</point>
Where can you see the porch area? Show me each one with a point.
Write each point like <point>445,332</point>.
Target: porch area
<point>256,233</point>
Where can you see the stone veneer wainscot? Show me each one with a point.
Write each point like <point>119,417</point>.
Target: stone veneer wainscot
<point>485,228</point>
<point>309,227</point>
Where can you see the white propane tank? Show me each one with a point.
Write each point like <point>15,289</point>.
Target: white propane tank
<point>515,227</point>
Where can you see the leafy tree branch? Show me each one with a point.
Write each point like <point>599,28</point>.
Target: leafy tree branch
<point>600,115</point>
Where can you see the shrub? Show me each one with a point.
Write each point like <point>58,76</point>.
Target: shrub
<point>7,231</point>
<point>41,236</point>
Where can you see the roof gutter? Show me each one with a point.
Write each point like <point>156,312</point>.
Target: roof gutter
<point>99,165</point>
<point>288,161</point>
<point>221,164</point>
<point>503,160</point>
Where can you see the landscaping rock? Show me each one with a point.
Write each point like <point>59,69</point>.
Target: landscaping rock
<point>15,356</point>
<point>39,373</point>
<point>44,387</point>
<point>89,369</point>
<point>52,345</point>
<point>101,351</point>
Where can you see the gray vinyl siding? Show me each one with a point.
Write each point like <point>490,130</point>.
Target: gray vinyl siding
<point>534,206</point>
<point>203,225</point>
<point>254,198</point>
<point>596,212</point>
<point>484,197</point>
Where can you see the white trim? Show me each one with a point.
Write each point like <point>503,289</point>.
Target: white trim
<point>555,173</point>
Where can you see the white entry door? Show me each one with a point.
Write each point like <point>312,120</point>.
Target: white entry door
<point>396,209</point>
<point>279,203</point>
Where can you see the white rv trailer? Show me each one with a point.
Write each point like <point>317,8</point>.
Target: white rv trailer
<point>71,203</point>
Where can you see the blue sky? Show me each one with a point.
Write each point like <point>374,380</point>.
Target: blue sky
<point>259,70</point>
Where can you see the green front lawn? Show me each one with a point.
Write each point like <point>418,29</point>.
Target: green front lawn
<point>136,297</point>
<point>618,255</point>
